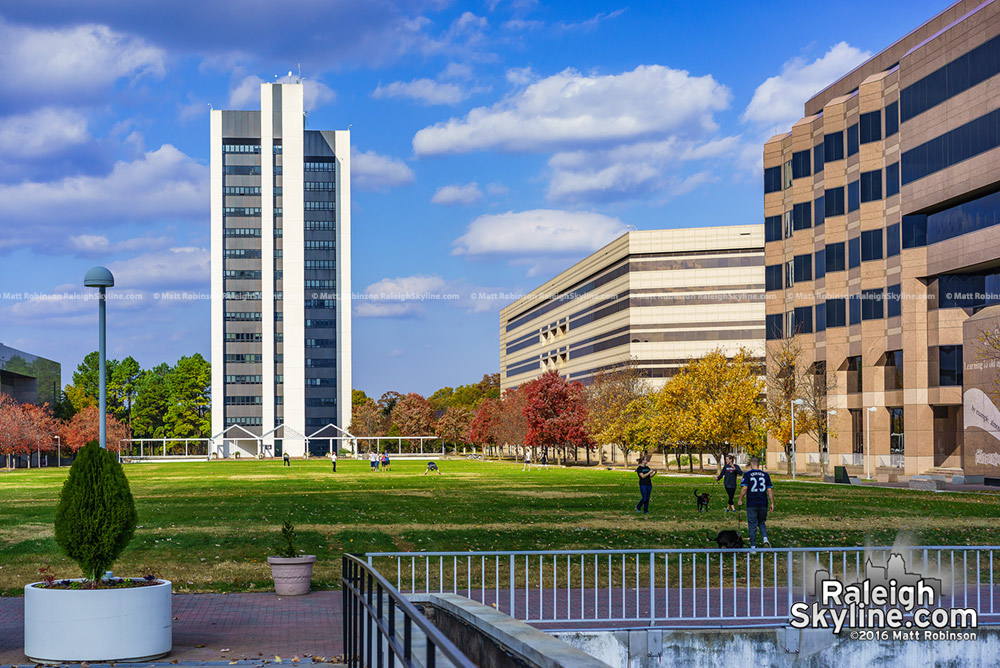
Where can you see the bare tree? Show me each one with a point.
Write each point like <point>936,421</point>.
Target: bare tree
<point>608,399</point>
<point>786,378</point>
<point>817,386</point>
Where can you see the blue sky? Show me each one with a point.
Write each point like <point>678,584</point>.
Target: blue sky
<point>495,143</point>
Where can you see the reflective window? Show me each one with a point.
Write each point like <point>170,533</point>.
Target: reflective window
<point>773,326</point>
<point>772,179</point>
<point>949,365</point>
<point>853,196</point>
<point>892,240</point>
<point>892,179</point>
<point>854,309</point>
<point>871,245</point>
<point>871,186</point>
<point>819,210</point>
<point>852,140</point>
<point>870,127</point>
<point>966,71</point>
<point>894,300</point>
<point>821,317</point>
<point>836,313</point>
<point>820,263</point>
<point>854,252</point>
<point>802,216</point>
<point>833,147</point>
<point>773,277</point>
<point>835,257</point>
<point>802,267</point>
<point>818,158</point>
<point>977,214</point>
<point>871,304</point>
<point>891,119</point>
<point>951,148</point>
<point>772,228</point>
<point>834,202</point>
<point>800,164</point>
<point>803,320</point>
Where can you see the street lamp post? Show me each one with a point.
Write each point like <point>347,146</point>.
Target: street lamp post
<point>868,438</point>
<point>58,451</point>
<point>795,402</point>
<point>101,278</point>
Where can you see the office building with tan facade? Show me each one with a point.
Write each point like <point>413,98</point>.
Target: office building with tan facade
<point>881,242</point>
<point>657,297</point>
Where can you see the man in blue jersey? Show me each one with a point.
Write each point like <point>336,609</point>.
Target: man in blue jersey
<point>758,492</point>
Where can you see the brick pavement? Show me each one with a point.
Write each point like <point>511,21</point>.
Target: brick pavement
<point>225,627</point>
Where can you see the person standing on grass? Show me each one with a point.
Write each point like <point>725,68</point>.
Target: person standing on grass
<point>385,460</point>
<point>732,473</point>
<point>286,460</point>
<point>527,460</point>
<point>333,458</point>
<point>431,466</point>
<point>373,460</point>
<point>645,484</point>
<point>756,488</point>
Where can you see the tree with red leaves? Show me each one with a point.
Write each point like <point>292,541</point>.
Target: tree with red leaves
<point>413,415</point>
<point>84,427</point>
<point>484,427</point>
<point>25,429</point>
<point>556,411</point>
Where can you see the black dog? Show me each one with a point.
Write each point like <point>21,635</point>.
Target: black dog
<point>702,501</point>
<point>728,540</point>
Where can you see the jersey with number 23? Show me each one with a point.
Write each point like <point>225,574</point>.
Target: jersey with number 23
<point>757,483</point>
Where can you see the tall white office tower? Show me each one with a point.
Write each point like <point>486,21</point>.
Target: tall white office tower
<point>281,278</point>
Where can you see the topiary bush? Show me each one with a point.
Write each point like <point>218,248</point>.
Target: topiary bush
<point>96,517</point>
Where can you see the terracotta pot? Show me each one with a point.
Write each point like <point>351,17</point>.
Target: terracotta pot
<point>292,575</point>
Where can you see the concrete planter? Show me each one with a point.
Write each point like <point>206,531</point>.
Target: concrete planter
<point>97,625</point>
<point>292,575</point>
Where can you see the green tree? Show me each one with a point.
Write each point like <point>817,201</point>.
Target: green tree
<point>95,518</point>
<point>442,398</point>
<point>86,379</point>
<point>190,391</point>
<point>358,397</point>
<point>122,384</point>
<point>152,402</point>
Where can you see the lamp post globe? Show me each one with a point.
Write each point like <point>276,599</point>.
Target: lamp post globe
<point>101,278</point>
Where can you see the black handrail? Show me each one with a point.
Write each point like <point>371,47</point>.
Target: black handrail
<point>363,617</point>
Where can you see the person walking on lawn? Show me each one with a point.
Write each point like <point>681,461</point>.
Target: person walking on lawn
<point>732,474</point>
<point>756,488</point>
<point>645,484</point>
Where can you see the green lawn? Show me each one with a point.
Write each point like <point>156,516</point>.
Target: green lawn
<point>211,526</point>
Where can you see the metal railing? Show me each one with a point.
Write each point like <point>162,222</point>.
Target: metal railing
<point>616,588</point>
<point>379,624</point>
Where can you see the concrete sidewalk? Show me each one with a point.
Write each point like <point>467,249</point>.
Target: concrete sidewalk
<point>225,627</point>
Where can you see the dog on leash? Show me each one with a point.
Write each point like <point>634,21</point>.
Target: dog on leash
<point>728,540</point>
<point>702,501</point>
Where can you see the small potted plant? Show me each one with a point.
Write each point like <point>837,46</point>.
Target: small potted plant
<point>97,616</point>
<point>291,571</point>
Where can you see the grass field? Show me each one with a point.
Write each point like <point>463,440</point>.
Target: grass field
<point>211,526</point>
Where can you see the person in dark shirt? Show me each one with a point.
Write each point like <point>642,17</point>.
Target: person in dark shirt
<point>756,488</point>
<point>732,473</point>
<point>645,484</point>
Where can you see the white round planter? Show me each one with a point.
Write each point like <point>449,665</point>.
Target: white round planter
<point>97,625</point>
<point>292,575</point>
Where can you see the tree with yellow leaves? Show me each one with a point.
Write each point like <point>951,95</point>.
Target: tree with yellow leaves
<point>786,382</point>
<point>714,405</point>
<point>611,415</point>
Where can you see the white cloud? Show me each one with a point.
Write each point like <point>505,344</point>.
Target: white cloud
<point>778,102</point>
<point>388,309</point>
<point>161,185</point>
<point>497,188</point>
<point>246,92</point>
<point>425,91</point>
<point>537,233</point>
<point>89,244</point>
<point>70,63</point>
<point>569,109</point>
<point>590,23</point>
<point>410,297</point>
<point>631,170</point>
<point>371,171</point>
<point>42,132</point>
<point>456,194</point>
<point>395,288</point>
<point>171,269</point>
<point>521,76</point>
<point>457,71</point>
